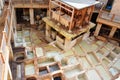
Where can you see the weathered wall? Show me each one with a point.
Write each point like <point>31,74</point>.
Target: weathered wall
<point>116,7</point>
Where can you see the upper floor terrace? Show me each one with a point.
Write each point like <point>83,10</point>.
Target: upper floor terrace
<point>107,18</point>
<point>109,21</point>
<point>109,15</point>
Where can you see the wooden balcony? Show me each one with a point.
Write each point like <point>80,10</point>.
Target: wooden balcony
<point>31,3</point>
<point>111,21</point>
<point>108,19</point>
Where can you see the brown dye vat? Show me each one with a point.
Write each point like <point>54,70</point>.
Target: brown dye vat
<point>31,78</point>
<point>116,50</point>
<point>19,57</point>
<point>111,56</point>
<point>43,71</point>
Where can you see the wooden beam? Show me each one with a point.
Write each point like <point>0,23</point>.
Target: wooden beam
<point>99,25</point>
<point>108,22</point>
<point>112,32</point>
<point>50,9</point>
<point>31,6</point>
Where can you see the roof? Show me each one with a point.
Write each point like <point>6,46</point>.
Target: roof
<point>80,4</point>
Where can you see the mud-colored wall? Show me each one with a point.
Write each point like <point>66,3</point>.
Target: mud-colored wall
<point>116,7</point>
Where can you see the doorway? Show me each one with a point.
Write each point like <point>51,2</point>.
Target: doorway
<point>22,15</point>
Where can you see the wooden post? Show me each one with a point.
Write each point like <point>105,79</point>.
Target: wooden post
<point>113,17</point>
<point>99,25</point>
<point>50,9</point>
<point>60,12</point>
<point>93,7</point>
<point>67,44</point>
<point>47,32</point>
<point>15,18</point>
<point>31,11</point>
<point>112,32</point>
<point>71,21</point>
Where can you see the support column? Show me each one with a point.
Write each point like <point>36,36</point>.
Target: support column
<point>67,44</point>
<point>112,32</point>
<point>99,25</point>
<point>15,18</point>
<point>31,11</point>
<point>47,32</point>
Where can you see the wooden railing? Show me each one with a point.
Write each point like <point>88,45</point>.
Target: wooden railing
<point>30,1</point>
<point>108,16</point>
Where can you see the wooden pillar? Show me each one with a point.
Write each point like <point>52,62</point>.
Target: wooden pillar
<point>11,57</point>
<point>47,12</point>
<point>12,32</point>
<point>113,16</point>
<point>99,25</point>
<point>50,9</point>
<point>47,32</point>
<point>112,32</point>
<point>67,44</point>
<point>71,22</point>
<point>31,11</point>
<point>15,18</point>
